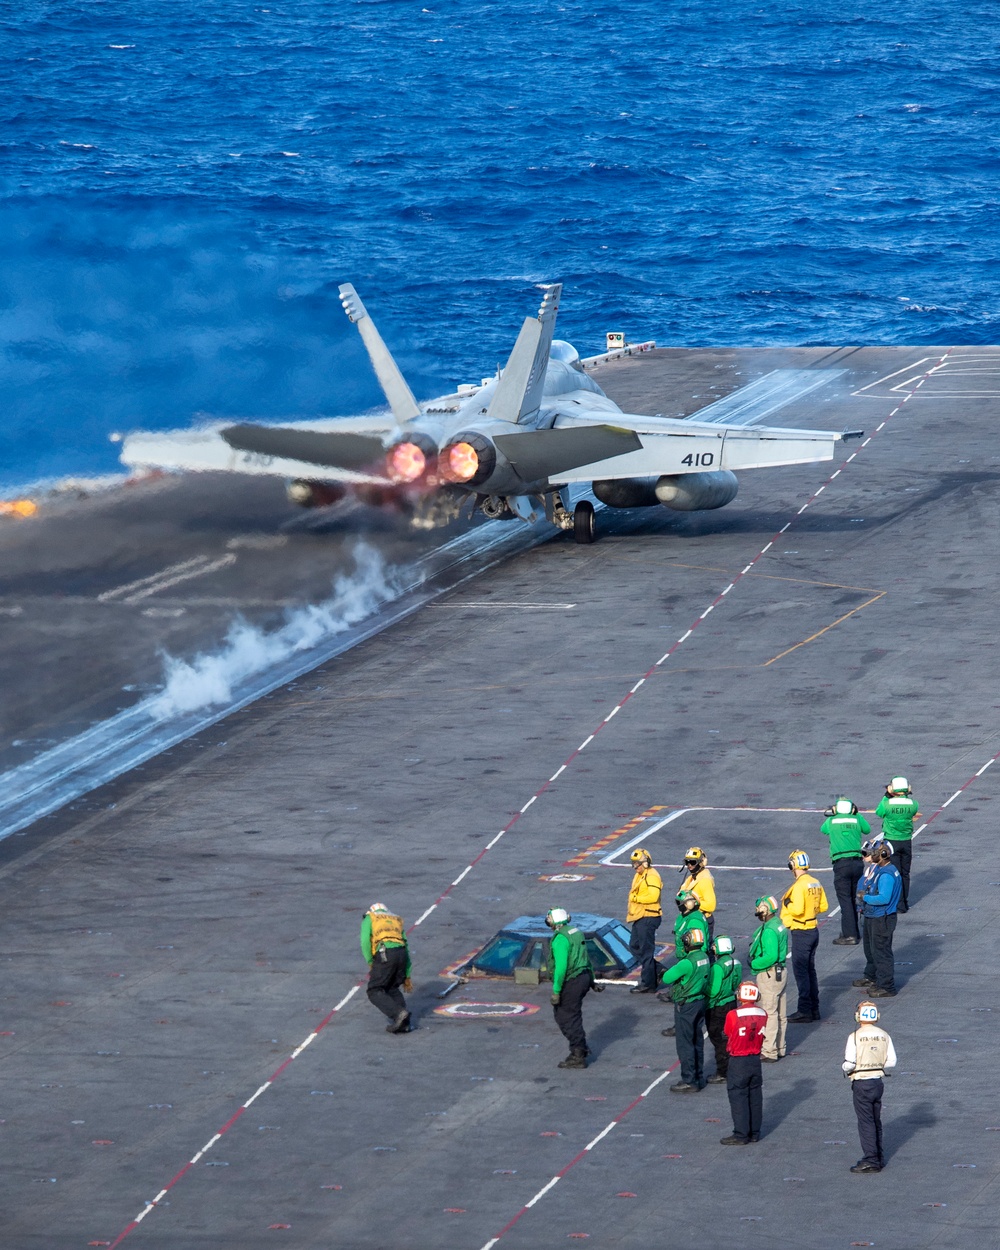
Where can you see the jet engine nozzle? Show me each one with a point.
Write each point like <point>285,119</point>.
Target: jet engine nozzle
<point>467,460</point>
<point>691,492</point>
<point>409,460</point>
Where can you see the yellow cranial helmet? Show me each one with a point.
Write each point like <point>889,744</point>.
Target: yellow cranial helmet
<point>694,855</point>
<point>641,856</point>
<point>798,859</point>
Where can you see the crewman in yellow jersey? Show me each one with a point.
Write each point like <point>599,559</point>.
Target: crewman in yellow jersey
<point>802,903</point>
<point>644,915</point>
<point>384,946</point>
<point>702,885</point>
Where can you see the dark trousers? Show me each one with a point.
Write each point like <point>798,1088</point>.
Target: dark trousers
<point>388,972</point>
<point>868,1109</point>
<point>569,1013</point>
<point>880,964</point>
<point>902,857</point>
<point>804,943</point>
<point>746,1100</point>
<point>846,875</point>
<point>688,1021</point>
<point>642,944</point>
<point>715,1022</point>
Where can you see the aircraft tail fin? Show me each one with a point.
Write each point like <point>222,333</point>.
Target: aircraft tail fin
<point>397,392</point>
<point>519,392</point>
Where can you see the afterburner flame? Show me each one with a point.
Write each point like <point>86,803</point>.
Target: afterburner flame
<point>461,462</point>
<point>406,462</point>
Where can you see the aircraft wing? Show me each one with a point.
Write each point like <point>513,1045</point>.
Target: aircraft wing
<point>669,447</point>
<point>319,452</point>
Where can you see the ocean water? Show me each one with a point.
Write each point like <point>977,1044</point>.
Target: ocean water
<point>182,188</point>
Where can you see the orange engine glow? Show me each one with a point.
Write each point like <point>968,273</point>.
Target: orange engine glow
<point>406,462</point>
<point>18,507</point>
<point>461,462</point>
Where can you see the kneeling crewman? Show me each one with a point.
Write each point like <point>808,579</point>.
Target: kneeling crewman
<point>572,979</point>
<point>384,946</point>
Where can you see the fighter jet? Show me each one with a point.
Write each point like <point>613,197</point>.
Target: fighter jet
<point>538,439</point>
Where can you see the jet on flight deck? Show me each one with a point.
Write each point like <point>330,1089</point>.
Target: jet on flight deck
<point>538,439</point>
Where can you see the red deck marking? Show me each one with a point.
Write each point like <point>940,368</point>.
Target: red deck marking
<point>581,1155</point>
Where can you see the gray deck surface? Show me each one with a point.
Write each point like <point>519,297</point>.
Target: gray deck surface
<point>200,915</point>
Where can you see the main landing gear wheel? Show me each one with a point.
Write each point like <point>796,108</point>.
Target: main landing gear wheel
<point>584,530</point>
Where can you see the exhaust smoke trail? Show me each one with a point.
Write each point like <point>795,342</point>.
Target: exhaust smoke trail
<point>210,679</point>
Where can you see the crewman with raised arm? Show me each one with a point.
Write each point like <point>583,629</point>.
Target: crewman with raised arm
<point>644,915</point>
<point>688,979</point>
<point>803,902</point>
<point>700,882</point>
<point>897,810</point>
<point>384,946</point>
<point>869,1053</point>
<point>768,953</point>
<point>572,981</point>
<point>847,829</point>
<point>726,974</point>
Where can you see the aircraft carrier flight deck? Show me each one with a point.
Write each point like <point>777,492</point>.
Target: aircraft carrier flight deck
<point>173,937</point>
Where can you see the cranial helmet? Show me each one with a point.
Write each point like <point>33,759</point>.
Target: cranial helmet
<point>867,1013</point>
<point>693,938</point>
<point>641,855</point>
<point>695,855</point>
<point>747,992</point>
<point>767,904</point>
<point>557,915</point>
<point>898,785</point>
<point>687,902</point>
<point>798,859</point>
<point>723,945</point>
<point>379,907</point>
<point>844,807</point>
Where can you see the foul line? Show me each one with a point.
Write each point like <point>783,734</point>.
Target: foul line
<point>517,816</point>
<point>576,1159</point>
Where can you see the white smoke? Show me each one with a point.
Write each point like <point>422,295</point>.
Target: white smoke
<point>212,679</point>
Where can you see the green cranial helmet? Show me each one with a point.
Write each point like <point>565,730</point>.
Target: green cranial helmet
<point>766,905</point>
<point>693,939</point>
<point>687,902</point>
<point>723,945</point>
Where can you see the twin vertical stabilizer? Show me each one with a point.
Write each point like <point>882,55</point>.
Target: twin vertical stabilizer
<point>404,406</point>
<point>519,392</point>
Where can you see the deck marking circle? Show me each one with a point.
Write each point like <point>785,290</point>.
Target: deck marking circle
<point>491,1011</point>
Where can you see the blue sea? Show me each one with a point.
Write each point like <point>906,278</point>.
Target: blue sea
<point>182,188</point>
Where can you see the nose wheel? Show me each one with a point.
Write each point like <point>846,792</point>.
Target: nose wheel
<point>584,528</point>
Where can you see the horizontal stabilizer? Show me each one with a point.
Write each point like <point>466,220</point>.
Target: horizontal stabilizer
<point>538,454</point>
<point>404,406</point>
<point>339,451</point>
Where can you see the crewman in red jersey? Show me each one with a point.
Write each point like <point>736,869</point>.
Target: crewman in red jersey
<point>744,1029</point>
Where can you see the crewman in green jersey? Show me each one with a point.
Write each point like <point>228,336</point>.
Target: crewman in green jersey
<point>768,953</point>
<point>726,974</point>
<point>572,980</point>
<point>689,980</point>
<point>897,810</point>
<point>847,829</point>
<point>689,916</point>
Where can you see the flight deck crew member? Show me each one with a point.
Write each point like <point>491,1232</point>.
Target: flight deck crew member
<point>744,1029</point>
<point>897,811</point>
<point>846,829</point>
<point>726,974</point>
<point>572,980</point>
<point>768,953</point>
<point>384,946</point>
<point>644,915</point>
<point>689,917</point>
<point>882,888</point>
<point>803,902</point>
<point>689,979</point>
<point>700,882</point>
<point>868,1054</point>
